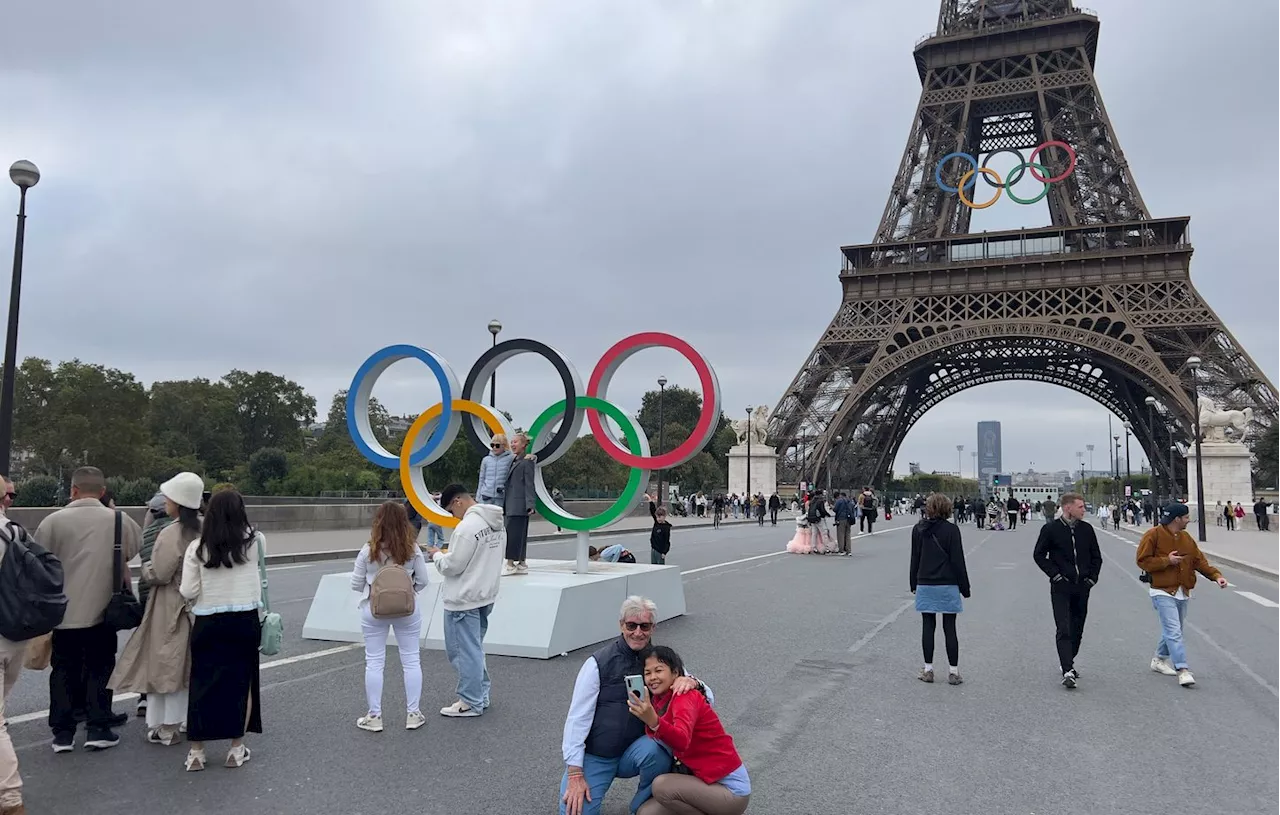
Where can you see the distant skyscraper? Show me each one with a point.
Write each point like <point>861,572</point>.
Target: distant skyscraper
<point>989,460</point>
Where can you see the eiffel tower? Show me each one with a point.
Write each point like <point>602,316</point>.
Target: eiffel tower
<point>1101,301</point>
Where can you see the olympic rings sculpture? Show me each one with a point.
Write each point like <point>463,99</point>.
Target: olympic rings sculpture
<point>435,429</point>
<point>1038,172</point>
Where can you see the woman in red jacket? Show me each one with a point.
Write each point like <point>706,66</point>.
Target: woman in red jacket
<point>713,779</point>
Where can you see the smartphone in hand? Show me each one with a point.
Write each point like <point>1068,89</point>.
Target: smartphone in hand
<point>635,687</point>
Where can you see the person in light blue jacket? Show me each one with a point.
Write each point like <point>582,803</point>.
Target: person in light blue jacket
<point>494,469</point>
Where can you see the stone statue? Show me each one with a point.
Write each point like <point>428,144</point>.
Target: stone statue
<point>1214,422</point>
<point>754,430</point>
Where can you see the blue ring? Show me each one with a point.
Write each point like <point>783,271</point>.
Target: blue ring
<point>373,367</point>
<point>937,171</point>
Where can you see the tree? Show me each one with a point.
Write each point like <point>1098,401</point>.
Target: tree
<point>335,433</point>
<point>79,414</point>
<point>270,410</point>
<point>680,406</point>
<point>267,465</point>
<point>196,418</point>
<point>585,465</point>
<point>1263,446</point>
<point>37,491</point>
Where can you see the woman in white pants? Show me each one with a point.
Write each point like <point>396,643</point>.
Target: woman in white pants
<point>392,545</point>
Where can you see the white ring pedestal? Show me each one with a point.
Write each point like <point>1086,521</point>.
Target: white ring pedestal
<point>542,614</point>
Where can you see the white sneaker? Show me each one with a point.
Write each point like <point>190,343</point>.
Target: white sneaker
<point>522,568</point>
<point>1162,666</point>
<point>1185,679</point>
<point>414,720</point>
<point>459,710</point>
<point>509,570</point>
<point>371,723</point>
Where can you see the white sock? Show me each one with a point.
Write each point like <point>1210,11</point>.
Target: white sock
<point>928,666</point>
<point>955,669</point>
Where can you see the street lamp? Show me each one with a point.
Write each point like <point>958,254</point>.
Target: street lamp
<point>1173,481</point>
<point>959,466</point>
<point>1194,364</point>
<point>834,448</point>
<point>1128,469</point>
<point>974,456</point>
<point>662,426</point>
<point>494,328</point>
<point>1115,464</point>
<point>748,456</point>
<point>26,175</point>
<point>1151,428</point>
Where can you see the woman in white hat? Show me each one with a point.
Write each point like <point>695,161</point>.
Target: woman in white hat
<point>157,659</point>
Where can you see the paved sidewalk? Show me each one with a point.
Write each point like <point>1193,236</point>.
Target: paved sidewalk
<point>1249,549</point>
<point>298,547</point>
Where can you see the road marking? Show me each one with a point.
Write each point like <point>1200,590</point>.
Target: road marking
<point>1262,601</point>
<point>275,663</point>
<point>299,566</point>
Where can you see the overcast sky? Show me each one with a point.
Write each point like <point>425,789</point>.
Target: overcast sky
<point>290,186</point>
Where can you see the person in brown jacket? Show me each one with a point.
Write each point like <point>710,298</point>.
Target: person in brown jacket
<point>1170,559</point>
<point>82,536</point>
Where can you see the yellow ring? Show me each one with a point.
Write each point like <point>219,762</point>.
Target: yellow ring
<point>964,179</point>
<point>411,476</point>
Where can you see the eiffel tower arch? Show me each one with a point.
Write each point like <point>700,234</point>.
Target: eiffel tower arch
<point>1101,301</point>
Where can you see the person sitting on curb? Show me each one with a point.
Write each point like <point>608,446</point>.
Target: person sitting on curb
<point>602,740</point>
<point>612,554</point>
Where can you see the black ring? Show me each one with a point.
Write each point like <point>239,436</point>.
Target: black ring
<point>485,366</point>
<point>1010,181</point>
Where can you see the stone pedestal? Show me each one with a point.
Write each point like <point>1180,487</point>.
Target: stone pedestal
<point>764,470</point>
<point>1227,475</point>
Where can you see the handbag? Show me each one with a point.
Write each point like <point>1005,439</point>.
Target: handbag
<point>123,609</point>
<point>272,624</point>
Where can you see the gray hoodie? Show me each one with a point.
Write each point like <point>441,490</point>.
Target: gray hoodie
<point>472,568</point>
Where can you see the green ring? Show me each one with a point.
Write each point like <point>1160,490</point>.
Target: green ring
<point>635,482</point>
<point>1021,168</point>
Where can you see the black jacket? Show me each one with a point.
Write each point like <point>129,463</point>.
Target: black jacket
<point>1070,552</point>
<point>660,537</point>
<point>937,556</point>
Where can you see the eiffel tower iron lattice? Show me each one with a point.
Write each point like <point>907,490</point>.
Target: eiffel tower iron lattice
<point>1100,302</point>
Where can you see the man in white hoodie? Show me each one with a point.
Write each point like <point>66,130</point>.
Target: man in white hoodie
<point>472,570</point>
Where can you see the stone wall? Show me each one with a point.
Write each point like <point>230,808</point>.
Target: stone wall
<point>301,517</point>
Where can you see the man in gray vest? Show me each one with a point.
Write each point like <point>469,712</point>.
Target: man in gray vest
<point>602,740</point>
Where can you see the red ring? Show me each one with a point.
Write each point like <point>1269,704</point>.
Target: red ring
<point>706,419</point>
<point>1071,164</point>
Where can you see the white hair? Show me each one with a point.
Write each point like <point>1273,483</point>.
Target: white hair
<point>636,606</point>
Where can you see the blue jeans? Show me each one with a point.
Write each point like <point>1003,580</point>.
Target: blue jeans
<point>464,643</point>
<point>435,536</point>
<point>645,758</point>
<point>1172,613</point>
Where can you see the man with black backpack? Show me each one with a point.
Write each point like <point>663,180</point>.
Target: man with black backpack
<point>93,548</point>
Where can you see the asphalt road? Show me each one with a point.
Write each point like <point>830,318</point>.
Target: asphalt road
<point>813,661</point>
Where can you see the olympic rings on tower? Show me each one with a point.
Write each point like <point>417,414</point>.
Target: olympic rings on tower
<point>435,429</point>
<point>1038,171</point>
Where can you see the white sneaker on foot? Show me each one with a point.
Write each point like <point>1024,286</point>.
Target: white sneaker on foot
<point>414,720</point>
<point>522,568</point>
<point>1185,679</point>
<point>370,722</point>
<point>509,570</point>
<point>1162,666</point>
<point>459,710</point>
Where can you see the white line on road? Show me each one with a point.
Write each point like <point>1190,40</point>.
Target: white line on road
<point>1262,601</point>
<point>275,663</point>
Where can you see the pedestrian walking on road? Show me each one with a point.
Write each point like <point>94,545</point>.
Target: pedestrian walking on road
<point>82,536</point>
<point>844,523</point>
<point>1170,558</point>
<point>221,581</point>
<point>157,659</point>
<point>1067,552</point>
<point>472,570</point>
<point>939,578</point>
<point>775,504</point>
<point>389,572</point>
<point>518,504</point>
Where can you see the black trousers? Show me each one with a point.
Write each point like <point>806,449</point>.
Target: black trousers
<point>81,665</point>
<point>517,537</point>
<point>773,516</point>
<point>929,631</point>
<point>1070,607</point>
<point>867,522</point>
<point>1013,519</point>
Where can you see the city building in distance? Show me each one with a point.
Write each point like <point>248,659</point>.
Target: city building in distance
<point>989,459</point>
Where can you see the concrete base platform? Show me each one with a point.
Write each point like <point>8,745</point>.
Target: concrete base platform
<point>545,613</point>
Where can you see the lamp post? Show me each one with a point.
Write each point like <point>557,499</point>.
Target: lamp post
<point>25,175</point>
<point>1080,455</point>
<point>1151,428</point>
<point>494,328</point>
<point>1128,469</point>
<point>959,466</point>
<point>1115,464</point>
<point>838,440</point>
<point>662,426</point>
<point>1173,482</point>
<point>748,455</point>
<point>1194,364</point>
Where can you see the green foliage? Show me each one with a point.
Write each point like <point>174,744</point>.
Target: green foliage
<point>270,410</point>
<point>131,492</point>
<point>267,465</point>
<point>335,435</point>
<point>37,491</point>
<point>925,483</point>
<point>585,465</point>
<point>1263,445</point>
<point>196,420</point>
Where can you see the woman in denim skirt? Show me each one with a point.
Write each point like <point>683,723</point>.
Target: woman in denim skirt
<point>938,580</point>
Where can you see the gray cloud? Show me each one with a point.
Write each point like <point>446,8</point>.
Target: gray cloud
<point>301,184</point>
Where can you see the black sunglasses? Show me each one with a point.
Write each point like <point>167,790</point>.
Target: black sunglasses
<point>642,626</point>
<point>11,495</point>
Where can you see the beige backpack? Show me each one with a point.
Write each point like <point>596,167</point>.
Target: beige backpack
<point>391,593</point>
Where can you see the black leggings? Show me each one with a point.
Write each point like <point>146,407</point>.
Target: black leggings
<point>948,633</point>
